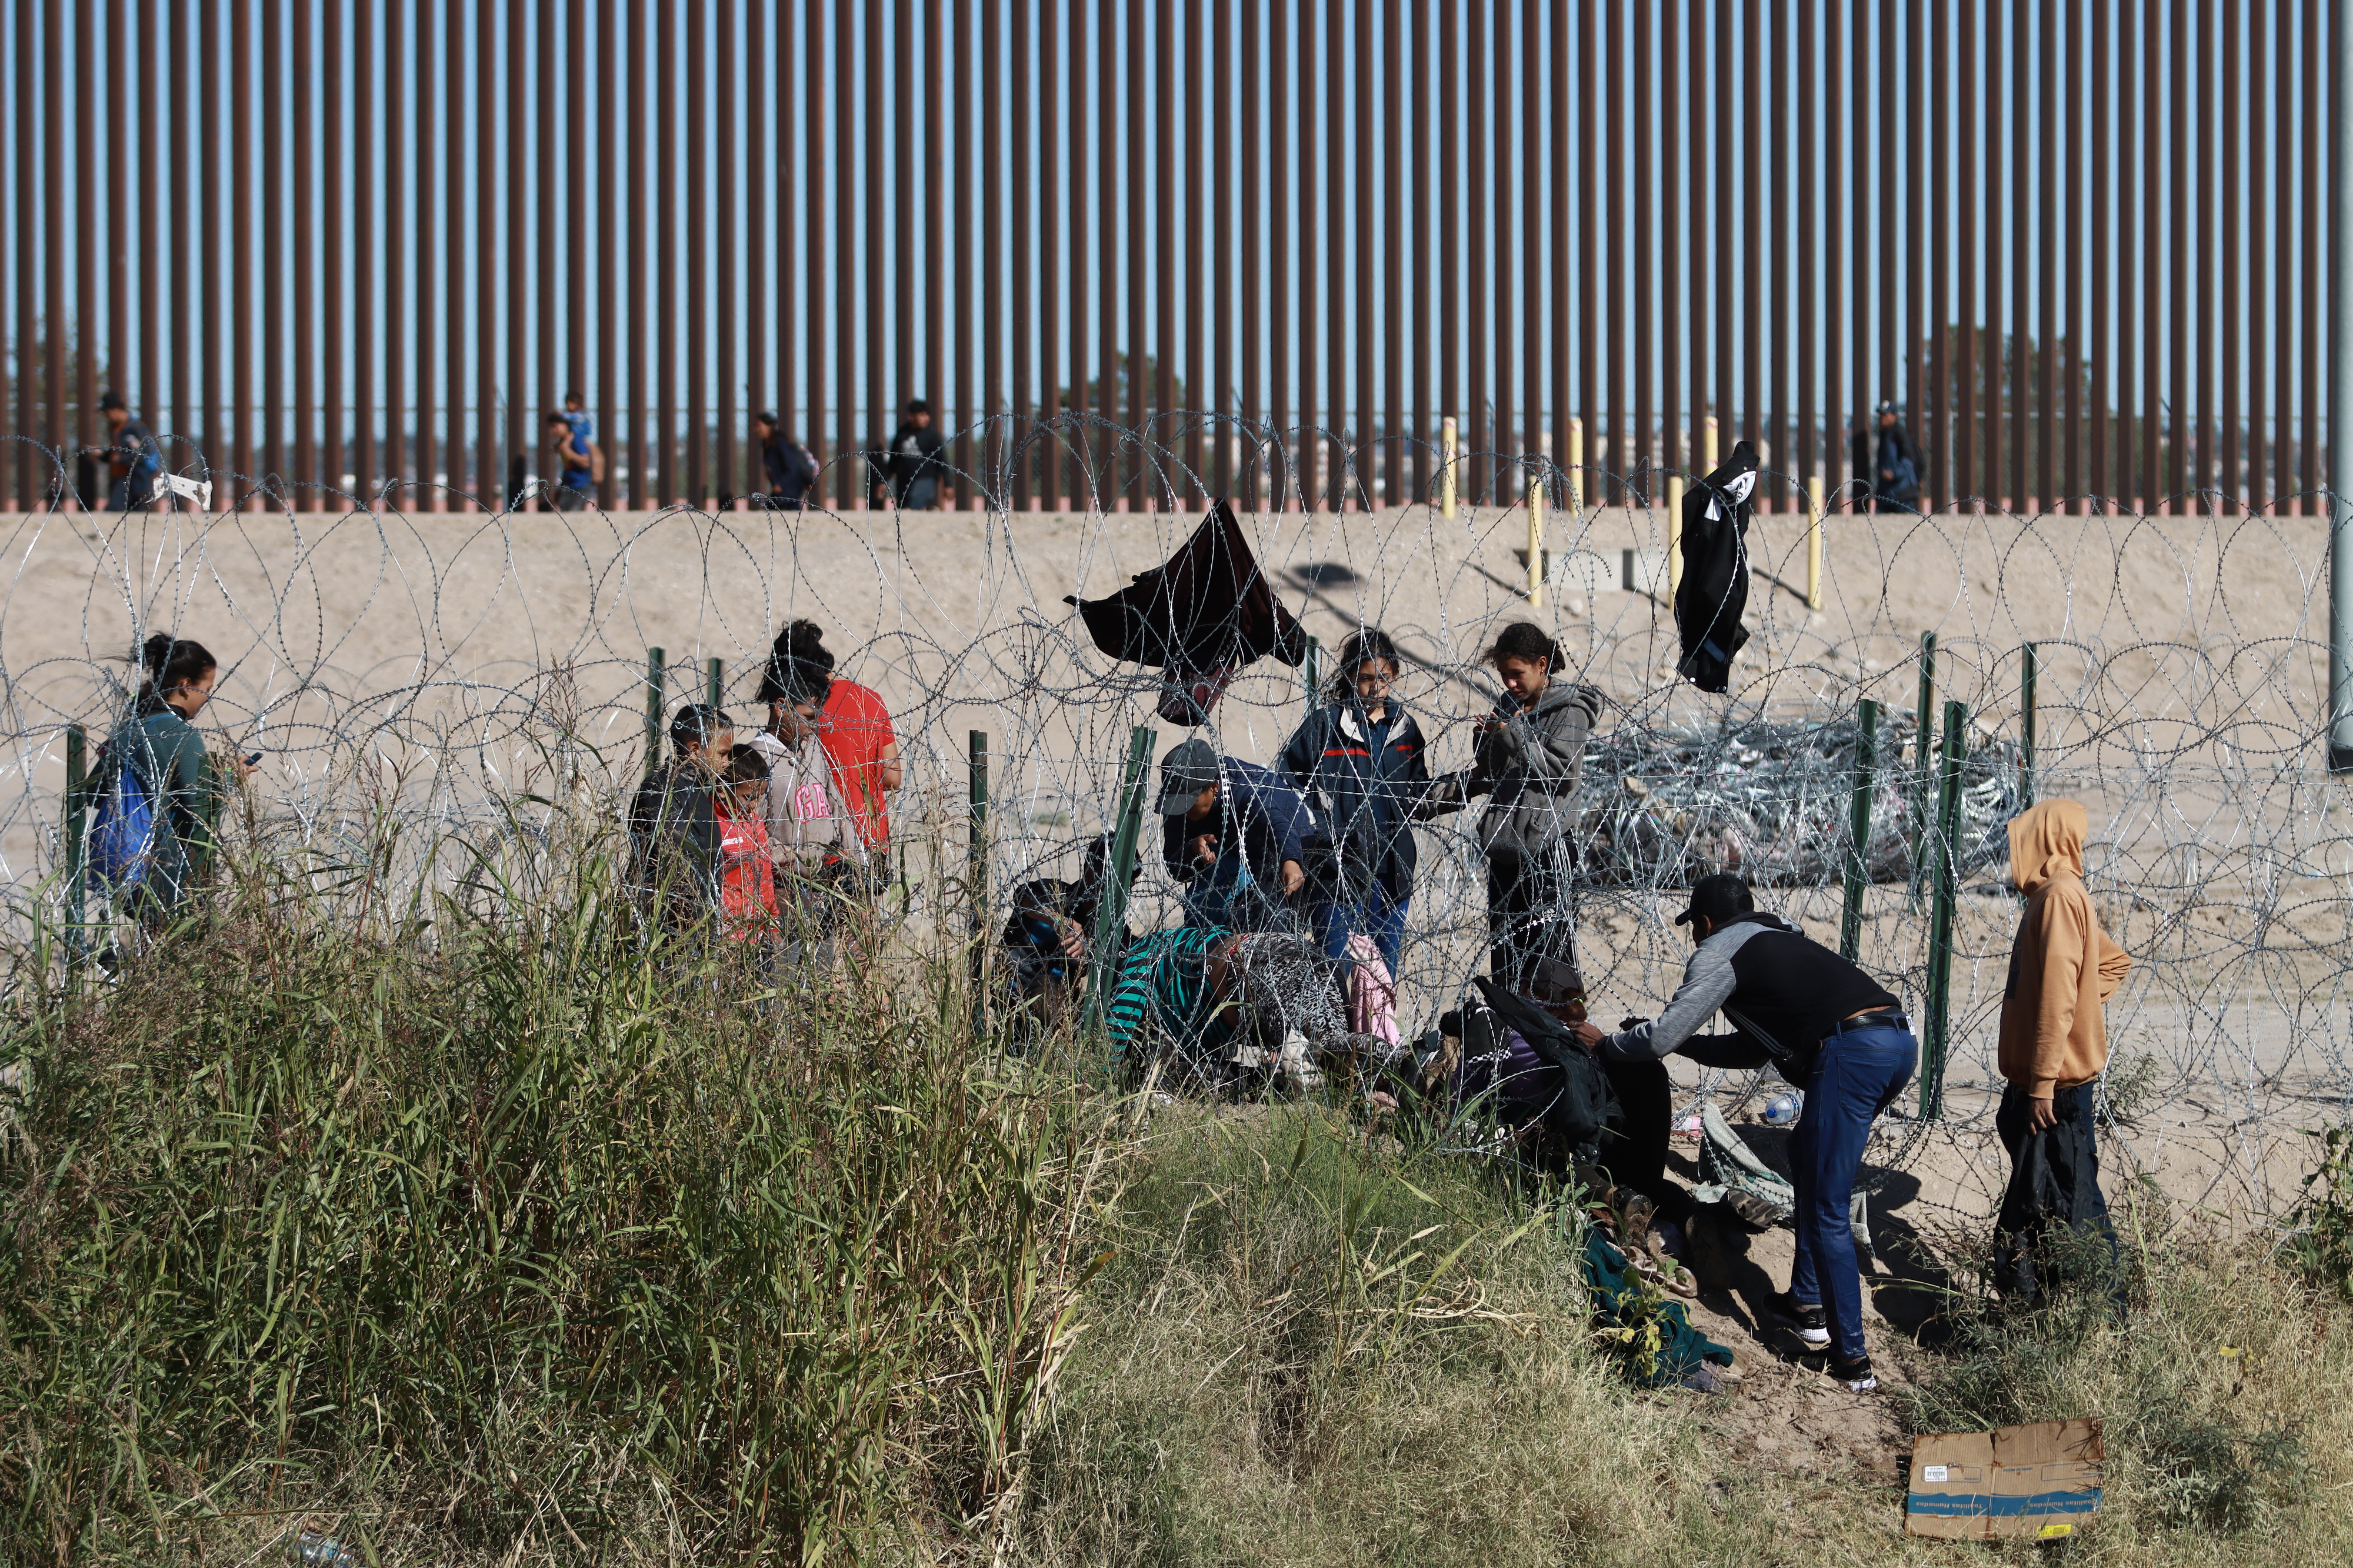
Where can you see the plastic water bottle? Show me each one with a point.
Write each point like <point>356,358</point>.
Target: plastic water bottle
<point>313,1550</point>
<point>1783,1109</point>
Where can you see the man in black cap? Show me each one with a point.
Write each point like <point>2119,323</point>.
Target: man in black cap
<point>1233,833</point>
<point>1828,1027</point>
<point>131,459</point>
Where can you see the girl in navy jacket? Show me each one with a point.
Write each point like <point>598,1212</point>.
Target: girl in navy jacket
<point>1359,762</point>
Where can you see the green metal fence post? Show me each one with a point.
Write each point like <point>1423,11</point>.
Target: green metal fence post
<point>653,708</point>
<point>1924,754</point>
<point>2026,675</point>
<point>1945,891</point>
<point>1110,910</point>
<point>976,768</point>
<point>714,678</point>
<point>1858,866</point>
<point>76,829</point>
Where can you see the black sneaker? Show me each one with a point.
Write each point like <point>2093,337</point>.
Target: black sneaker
<point>1806,1316</point>
<point>1856,1375</point>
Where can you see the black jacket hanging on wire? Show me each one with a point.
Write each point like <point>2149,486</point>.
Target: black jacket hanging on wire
<point>1201,616</point>
<point>1715,589</point>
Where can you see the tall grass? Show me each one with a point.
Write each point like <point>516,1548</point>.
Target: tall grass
<point>466,1236</point>
<point>474,1229</point>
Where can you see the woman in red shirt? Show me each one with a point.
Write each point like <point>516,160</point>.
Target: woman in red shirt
<point>858,739</point>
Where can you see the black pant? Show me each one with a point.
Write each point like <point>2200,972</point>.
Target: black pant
<point>1635,1154</point>
<point>2053,1224</point>
<point>1527,917</point>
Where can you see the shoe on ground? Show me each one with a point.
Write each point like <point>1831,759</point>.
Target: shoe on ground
<point>1856,1375</point>
<point>1669,1238</point>
<point>1806,1316</point>
<point>1705,1379</point>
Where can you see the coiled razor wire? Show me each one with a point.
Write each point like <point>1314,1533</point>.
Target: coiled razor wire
<point>441,690</point>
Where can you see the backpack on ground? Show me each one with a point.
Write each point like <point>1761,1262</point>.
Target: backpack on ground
<point>122,839</point>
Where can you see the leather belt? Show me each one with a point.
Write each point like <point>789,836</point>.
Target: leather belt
<point>1883,1018</point>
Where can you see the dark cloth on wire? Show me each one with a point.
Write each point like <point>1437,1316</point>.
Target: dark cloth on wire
<point>1202,615</point>
<point>1713,594</point>
<point>2053,1225</point>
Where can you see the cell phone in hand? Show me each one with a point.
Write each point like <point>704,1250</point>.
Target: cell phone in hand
<point>253,759</point>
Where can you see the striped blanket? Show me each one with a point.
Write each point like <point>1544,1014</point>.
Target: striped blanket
<point>1162,978</point>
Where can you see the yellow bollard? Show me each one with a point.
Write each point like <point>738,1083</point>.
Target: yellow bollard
<point>1814,542</point>
<point>1446,468</point>
<point>1576,465</point>
<point>1536,544</point>
<point>1674,534</point>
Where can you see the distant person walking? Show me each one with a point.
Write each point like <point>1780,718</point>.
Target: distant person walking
<point>1360,761</point>
<point>1887,460</point>
<point>789,468</point>
<point>914,470</point>
<point>132,460</point>
<point>576,478</point>
<point>159,742</point>
<point>2053,1047</point>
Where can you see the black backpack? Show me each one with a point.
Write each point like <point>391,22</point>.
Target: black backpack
<point>1587,1107</point>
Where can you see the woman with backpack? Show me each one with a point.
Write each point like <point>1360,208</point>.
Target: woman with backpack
<point>160,746</point>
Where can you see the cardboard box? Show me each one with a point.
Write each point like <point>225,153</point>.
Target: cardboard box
<point>2015,1481</point>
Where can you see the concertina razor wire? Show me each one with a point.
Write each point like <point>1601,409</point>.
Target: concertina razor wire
<point>476,675</point>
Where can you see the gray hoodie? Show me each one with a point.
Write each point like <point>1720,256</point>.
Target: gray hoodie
<point>1530,764</point>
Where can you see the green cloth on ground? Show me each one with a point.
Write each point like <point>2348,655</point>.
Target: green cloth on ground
<point>1617,1301</point>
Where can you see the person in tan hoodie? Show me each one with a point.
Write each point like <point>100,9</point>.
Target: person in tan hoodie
<point>2054,1046</point>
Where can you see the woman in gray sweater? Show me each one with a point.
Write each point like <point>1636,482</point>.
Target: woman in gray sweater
<point>1530,753</point>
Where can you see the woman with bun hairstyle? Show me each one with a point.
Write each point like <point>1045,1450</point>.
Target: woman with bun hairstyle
<point>161,741</point>
<point>812,838</point>
<point>855,729</point>
<point>1530,754</point>
<point>857,735</point>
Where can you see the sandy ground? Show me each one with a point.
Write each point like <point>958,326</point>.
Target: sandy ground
<point>442,661</point>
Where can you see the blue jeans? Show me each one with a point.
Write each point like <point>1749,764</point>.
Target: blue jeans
<point>1378,916</point>
<point>1858,1075</point>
